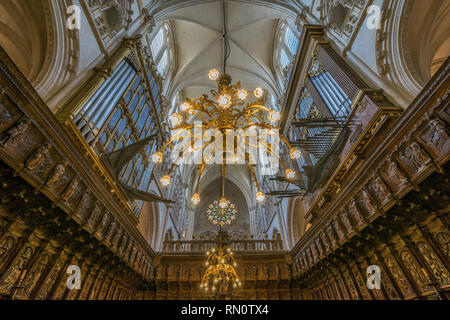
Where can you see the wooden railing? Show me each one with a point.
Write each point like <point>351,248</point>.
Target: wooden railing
<point>193,246</point>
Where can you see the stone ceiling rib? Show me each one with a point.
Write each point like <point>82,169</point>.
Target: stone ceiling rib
<point>252,59</point>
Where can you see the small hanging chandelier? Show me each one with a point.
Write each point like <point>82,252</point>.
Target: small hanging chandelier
<point>220,278</point>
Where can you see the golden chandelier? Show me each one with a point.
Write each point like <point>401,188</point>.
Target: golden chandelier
<point>220,277</point>
<point>226,111</point>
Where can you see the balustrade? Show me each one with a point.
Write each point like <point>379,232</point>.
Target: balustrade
<point>193,246</point>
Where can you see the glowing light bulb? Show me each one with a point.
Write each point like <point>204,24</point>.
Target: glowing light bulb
<point>234,285</point>
<point>214,74</point>
<point>175,119</point>
<point>206,263</point>
<point>242,94</point>
<point>207,253</point>
<point>294,153</point>
<point>184,106</point>
<point>196,200</point>
<point>224,100</point>
<point>213,250</point>
<point>228,249</point>
<point>235,264</point>
<point>165,180</point>
<point>260,196</point>
<point>157,157</point>
<point>258,92</point>
<point>274,116</point>
<point>290,174</point>
<point>223,203</point>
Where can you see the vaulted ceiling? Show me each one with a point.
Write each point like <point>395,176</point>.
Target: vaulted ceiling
<point>197,28</point>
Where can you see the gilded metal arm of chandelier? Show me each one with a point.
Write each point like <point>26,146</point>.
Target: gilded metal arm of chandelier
<point>227,110</point>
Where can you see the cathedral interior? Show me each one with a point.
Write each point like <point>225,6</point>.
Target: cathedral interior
<point>107,191</point>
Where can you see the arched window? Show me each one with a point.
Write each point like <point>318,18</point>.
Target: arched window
<point>159,48</point>
<point>291,41</point>
<point>286,48</point>
<point>289,46</point>
<point>157,43</point>
<point>162,64</point>
<point>284,59</point>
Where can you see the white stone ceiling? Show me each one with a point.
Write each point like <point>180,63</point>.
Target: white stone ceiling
<point>197,27</point>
